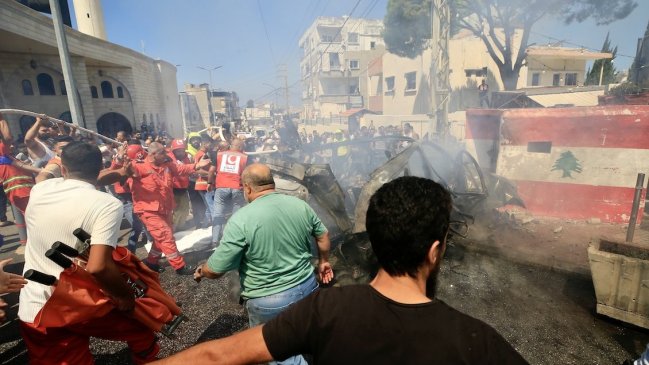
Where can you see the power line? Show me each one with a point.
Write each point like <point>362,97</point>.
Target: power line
<point>263,22</point>
<point>577,45</point>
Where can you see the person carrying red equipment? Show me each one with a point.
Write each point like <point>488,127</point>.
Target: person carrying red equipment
<point>153,202</point>
<point>62,205</point>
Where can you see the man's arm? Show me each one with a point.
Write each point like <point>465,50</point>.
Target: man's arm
<point>48,172</point>
<point>325,272</point>
<point>30,139</point>
<point>26,167</point>
<point>103,269</point>
<point>247,347</point>
<point>190,168</point>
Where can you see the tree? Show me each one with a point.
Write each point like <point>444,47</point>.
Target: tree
<point>639,62</point>
<point>608,71</point>
<point>567,163</point>
<point>250,104</point>
<point>495,22</point>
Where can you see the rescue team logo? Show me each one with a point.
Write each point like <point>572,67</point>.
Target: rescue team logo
<point>230,164</point>
<point>567,162</point>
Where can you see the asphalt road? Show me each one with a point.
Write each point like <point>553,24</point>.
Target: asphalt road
<point>548,316</point>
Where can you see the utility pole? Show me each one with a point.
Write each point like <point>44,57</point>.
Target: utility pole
<point>62,44</point>
<point>283,73</point>
<point>210,108</point>
<point>439,68</point>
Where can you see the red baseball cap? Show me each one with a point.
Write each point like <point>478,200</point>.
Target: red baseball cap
<point>136,152</point>
<point>177,144</point>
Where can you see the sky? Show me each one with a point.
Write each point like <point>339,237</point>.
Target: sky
<point>252,39</point>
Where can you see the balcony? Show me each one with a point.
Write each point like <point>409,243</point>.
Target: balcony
<point>354,101</point>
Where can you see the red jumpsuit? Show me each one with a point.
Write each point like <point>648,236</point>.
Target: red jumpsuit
<point>153,202</point>
<point>17,184</point>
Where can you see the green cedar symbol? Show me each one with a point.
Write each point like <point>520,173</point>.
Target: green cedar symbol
<point>567,163</point>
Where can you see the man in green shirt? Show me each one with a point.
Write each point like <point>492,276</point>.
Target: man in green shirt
<point>269,242</point>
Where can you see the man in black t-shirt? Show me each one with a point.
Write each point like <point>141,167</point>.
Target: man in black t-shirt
<point>394,320</point>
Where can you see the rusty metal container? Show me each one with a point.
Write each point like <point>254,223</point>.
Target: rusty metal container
<point>620,275</point>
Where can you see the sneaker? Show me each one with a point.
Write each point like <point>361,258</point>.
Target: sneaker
<point>154,267</point>
<point>20,250</point>
<point>6,223</point>
<point>186,270</point>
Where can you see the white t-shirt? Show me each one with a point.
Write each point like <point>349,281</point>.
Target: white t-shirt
<point>56,208</point>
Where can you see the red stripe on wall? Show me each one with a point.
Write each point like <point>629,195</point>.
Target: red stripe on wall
<point>483,124</point>
<point>575,201</point>
<point>615,126</point>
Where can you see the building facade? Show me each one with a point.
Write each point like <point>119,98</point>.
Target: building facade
<point>119,88</point>
<point>336,56</point>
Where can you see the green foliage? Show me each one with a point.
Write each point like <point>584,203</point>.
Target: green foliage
<point>627,88</point>
<point>608,73</point>
<point>407,27</point>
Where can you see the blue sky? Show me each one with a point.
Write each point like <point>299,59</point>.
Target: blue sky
<point>231,34</point>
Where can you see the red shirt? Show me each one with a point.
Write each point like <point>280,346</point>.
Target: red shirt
<point>152,186</point>
<point>229,166</point>
<point>201,182</point>
<point>180,182</point>
<point>16,182</point>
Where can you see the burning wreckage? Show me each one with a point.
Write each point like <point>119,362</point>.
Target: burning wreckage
<point>338,179</point>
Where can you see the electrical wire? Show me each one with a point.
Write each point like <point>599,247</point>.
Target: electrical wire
<point>263,22</point>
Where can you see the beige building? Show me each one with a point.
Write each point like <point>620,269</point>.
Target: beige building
<point>399,87</point>
<point>118,87</point>
<point>199,111</point>
<point>335,60</point>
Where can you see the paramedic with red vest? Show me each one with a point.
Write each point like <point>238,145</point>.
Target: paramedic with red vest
<point>228,192</point>
<point>153,202</point>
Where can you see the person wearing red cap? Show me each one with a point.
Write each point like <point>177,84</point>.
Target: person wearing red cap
<point>180,185</point>
<point>153,202</point>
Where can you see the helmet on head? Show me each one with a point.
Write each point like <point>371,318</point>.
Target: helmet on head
<point>136,152</point>
<point>177,144</point>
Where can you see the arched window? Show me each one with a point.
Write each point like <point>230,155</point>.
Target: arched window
<point>93,92</point>
<point>66,116</point>
<point>107,90</point>
<point>62,86</point>
<point>45,84</point>
<point>27,87</point>
<point>120,92</point>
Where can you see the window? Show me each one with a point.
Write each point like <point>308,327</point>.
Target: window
<point>372,45</point>
<point>120,92</point>
<point>353,65</point>
<point>389,84</point>
<point>352,38</point>
<point>556,80</point>
<point>45,84</point>
<point>27,87</point>
<point>411,81</point>
<point>536,78</point>
<point>326,38</point>
<point>107,90</point>
<point>334,61</point>
<point>571,79</point>
<point>62,87</point>
<point>477,72</point>
<point>93,92</point>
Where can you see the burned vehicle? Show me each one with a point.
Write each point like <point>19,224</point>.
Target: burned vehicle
<point>338,179</point>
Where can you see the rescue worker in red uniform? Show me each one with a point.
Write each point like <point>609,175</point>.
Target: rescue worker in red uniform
<point>228,192</point>
<point>153,202</point>
<point>202,187</point>
<point>180,185</point>
<point>16,181</point>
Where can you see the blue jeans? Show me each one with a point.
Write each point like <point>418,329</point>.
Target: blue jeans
<point>133,220</point>
<point>3,205</point>
<point>226,202</point>
<point>208,199</point>
<point>263,309</point>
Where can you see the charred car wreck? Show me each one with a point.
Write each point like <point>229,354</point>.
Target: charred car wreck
<point>338,179</point>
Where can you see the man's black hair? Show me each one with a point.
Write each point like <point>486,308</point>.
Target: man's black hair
<point>133,141</point>
<point>404,218</point>
<point>82,160</point>
<point>59,139</point>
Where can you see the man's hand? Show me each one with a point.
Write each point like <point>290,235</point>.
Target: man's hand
<point>10,283</point>
<point>325,272</point>
<point>201,163</point>
<point>198,274</point>
<point>2,313</point>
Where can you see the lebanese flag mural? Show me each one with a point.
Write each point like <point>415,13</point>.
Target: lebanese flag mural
<point>579,162</point>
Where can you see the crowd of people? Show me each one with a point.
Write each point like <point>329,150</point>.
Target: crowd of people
<point>67,184</point>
